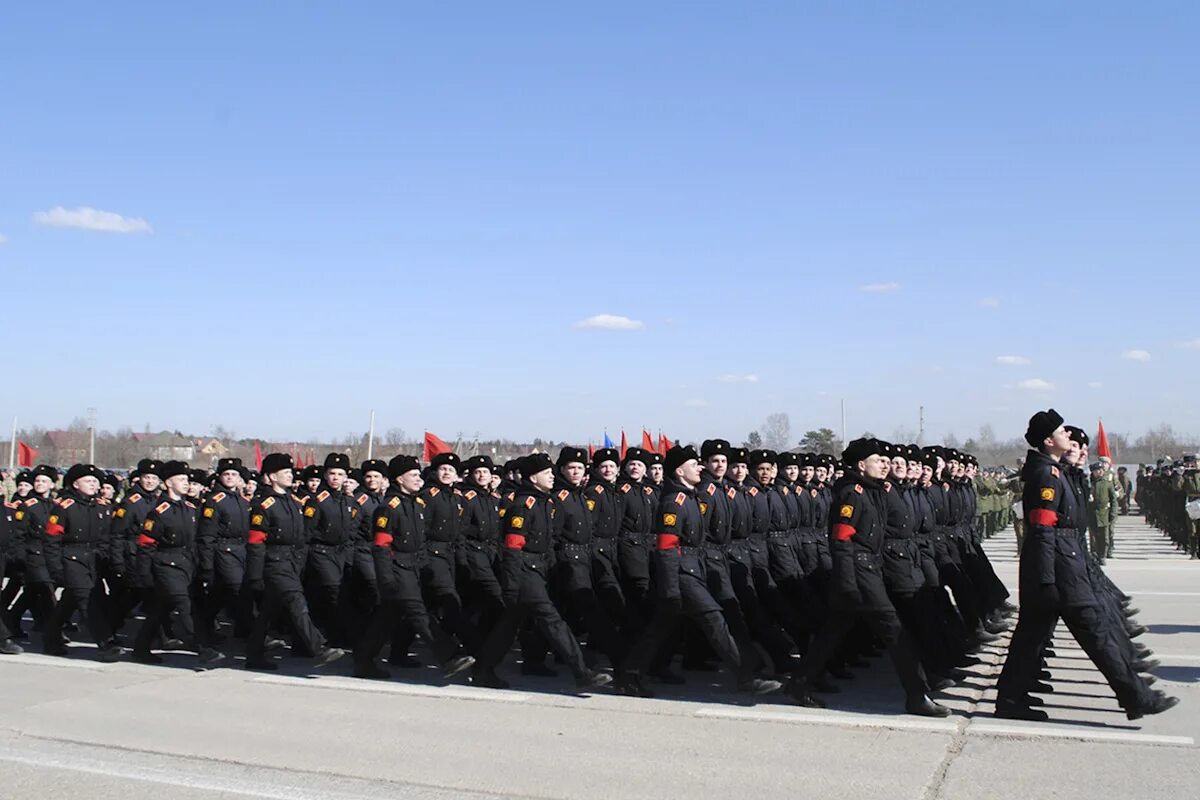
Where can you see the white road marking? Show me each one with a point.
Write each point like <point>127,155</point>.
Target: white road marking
<point>39,660</point>
<point>984,728</point>
<point>840,718</point>
<point>378,687</point>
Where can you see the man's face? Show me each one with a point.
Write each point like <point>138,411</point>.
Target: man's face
<point>765,472</point>
<point>87,486</point>
<point>738,473</point>
<point>410,482</point>
<point>656,473</point>
<point>107,491</point>
<point>792,472</point>
<point>350,486</point>
<point>543,480</point>
<point>608,471</point>
<point>178,484</point>
<point>194,489</point>
<point>822,474</point>
<point>375,481</point>
<point>972,470</point>
<point>926,473</point>
<point>718,465</point>
<point>494,482</point>
<point>282,479</point>
<point>807,473</point>
<point>447,475</point>
<point>1073,453</point>
<point>336,478</point>
<point>573,473</point>
<point>481,476</point>
<point>250,488</point>
<point>874,466</point>
<point>899,468</point>
<point>636,470</point>
<point>231,479</point>
<point>914,470</point>
<point>689,472</point>
<point>150,483</point>
<point>313,484</point>
<point>42,484</point>
<point>23,488</point>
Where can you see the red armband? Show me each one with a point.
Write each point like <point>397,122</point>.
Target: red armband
<point>1044,517</point>
<point>668,541</point>
<point>54,529</point>
<point>145,541</point>
<point>257,537</point>
<point>383,540</point>
<point>842,532</point>
<point>514,541</point>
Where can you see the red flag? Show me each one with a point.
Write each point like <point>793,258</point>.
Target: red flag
<point>299,459</point>
<point>1102,444</point>
<point>312,455</point>
<point>648,442</point>
<point>25,455</point>
<point>624,445</point>
<point>591,451</point>
<point>257,456</point>
<point>433,446</point>
<point>664,444</point>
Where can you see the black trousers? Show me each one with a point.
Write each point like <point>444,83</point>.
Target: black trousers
<point>403,605</point>
<point>171,603</point>
<point>283,595</point>
<point>78,582</point>
<point>633,570</point>
<point>5,633</point>
<point>324,576</point>
<point>1096,637</point>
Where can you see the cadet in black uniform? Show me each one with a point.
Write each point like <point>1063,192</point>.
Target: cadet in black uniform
<point>275,555</point>
<point>857,519</point>
<point>525,563</point>
<point>483,598</point>
<point>333,527</point>
<point>636,507</point>
<point>169,537</point>
<point>75,524</point>
<point>221,543</point>
<point>399,549</point>
<point>1054,583</point>
<point>603,504</point>
<point>30,520</point>
<point>131,571</point>
<point>7,646</point>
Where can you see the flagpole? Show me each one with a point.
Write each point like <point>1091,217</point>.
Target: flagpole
<point>371,436</point>
<point>12,448</point>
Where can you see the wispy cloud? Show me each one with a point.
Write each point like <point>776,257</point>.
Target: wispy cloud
<point>879,288</point>
<point>1190,344</point>
<point>91,219</point>
<point>1035,385</point>
<point>1012,361</point>
<point>751,378</point>
<point>990,302</point>
<point>1136,355</point>
<point>3,238</point>
<point>696,402</point>
<point>610,322</point>
<point>1095,385</point>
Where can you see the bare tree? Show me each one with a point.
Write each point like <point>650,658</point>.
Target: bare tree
<point>777,431</point>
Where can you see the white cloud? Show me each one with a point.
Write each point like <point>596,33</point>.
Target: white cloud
<point>696,402</point>
<point>610,322</point>
<point>1012,361</point>
<point>90,219</point>
<point>1095,385</point>
<point>1035,385</point>
<point>990,302</point>
<point>1190,344</point>
<point>879,288</point>
<point>3,238</point>
<point>1136,355</point>
<point>751,378</point>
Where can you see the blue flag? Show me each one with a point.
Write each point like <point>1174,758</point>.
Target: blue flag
<point>607,441</point>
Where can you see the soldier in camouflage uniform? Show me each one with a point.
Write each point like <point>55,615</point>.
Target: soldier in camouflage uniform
<point>1102,512</point>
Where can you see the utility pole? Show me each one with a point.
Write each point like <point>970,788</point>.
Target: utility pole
<point>921,428</point>
<point>91,435</point>
<point>371,436</point>
<point>12,448</point>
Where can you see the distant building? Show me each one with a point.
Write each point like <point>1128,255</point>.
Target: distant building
<point>165,446</point>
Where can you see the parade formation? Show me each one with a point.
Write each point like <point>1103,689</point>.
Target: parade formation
<point>785,569</point>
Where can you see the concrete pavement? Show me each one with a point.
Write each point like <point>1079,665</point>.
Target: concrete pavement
<point>78,728</point>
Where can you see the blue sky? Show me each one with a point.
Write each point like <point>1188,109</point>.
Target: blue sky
<point>300,212</point>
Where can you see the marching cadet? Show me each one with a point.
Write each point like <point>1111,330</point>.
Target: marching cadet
<point>73,527</point>
<point>363,584</point>
<point>1054,583</point>
<point>7,646</point>
<point>636,508</point>
<point>169,537</point>
<point>526,553</point>
<point>131,571</point>
<point>399,526</point>
<point>30,521</point>
<point>857,529</point>
<point>331,518</point>
<point>483,597</point>
<point>221,548</point>
<point>275,555</point>
<point>604,507</point>
<point>655,468</point>
<point>680,583</point>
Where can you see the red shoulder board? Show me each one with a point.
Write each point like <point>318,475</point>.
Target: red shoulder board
<point>299,499</point>
<point>362,498</point>
<point>470,495</point>
<point>322,496</point>
<point>563,495</point>
<point>529,501</point>
<point>887,487</point>
<point>625,487</point>
<point>1054,471</point>
<point>858,488</point>
<point>189,504</point>
<point>7,504</point>
<point>31,501</point>
<point>433,492</point>
<point>680,499</point>
<point>270,501</point>
<point>218,497</point>
<point>731,493</point>
<point>161,507</point>
<point>510,496</point>
<point>420,501</point>
<point>814,492</point>
<point>785,491</point>
<point>100,501</point>
<point>599,490</point>
<point>133,498</point>
<point>66,502</point>
<point>754,491</point>
<point>395,501</point>
<point>712,489</point>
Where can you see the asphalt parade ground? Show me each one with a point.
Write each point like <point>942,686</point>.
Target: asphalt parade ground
<point>76,728</point>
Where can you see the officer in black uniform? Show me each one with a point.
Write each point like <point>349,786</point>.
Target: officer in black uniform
<point>680,583</point>
<point>75,524</point>
<point>525,560</point>
<point>275,555</point>
<point>399,548</point>
<point>221,543</point>
<point>333,527</point>
<point>169,537</point>
<point>1054,583</point>
<point>857,589</point>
